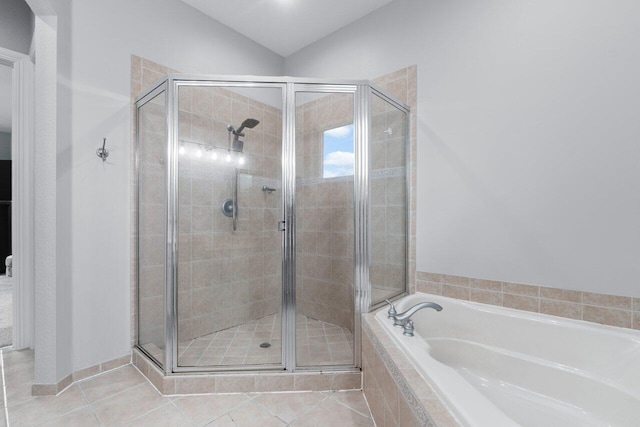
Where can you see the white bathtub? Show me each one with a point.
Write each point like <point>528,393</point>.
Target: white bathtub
<point>494,366</point>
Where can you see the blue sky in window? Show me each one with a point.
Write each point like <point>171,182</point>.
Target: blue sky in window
<point>338,157</point>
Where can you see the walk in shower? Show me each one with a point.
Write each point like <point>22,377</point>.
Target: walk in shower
<point>271,213</point>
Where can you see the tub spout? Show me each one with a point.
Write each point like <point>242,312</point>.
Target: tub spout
<point>401,319</point>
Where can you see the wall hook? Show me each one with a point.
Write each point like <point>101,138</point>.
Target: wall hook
<point>103,153</point>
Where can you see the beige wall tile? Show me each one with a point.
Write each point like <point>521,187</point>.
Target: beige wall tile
<point>561,308</point>
<point>607,316</point>
<point>560,294</point>
<point>429,287</point>
<point>520,302</point>
<point>455,280</point>
<point>430,277</point>
<point>519,289</point>
<point>457,292</point>
<point>611,301</point>
<point>486,297</point>
<point>487,285</point>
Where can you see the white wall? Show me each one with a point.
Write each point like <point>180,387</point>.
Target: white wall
<point>528,133</point>
<point>96,39</point>
<point>16,25</point>
<point>5,145</point>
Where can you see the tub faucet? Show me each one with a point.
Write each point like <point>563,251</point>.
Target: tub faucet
<point>403,320</point>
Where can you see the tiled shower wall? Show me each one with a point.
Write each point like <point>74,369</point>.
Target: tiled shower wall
<point>325,216</point>
<point>227,277</point>
<point>403,84</point>
<point>315,300</point>
<point>388,177</point>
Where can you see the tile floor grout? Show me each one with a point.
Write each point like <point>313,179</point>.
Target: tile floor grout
<point>88,401</point>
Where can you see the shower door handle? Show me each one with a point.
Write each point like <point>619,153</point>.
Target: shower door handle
<point>282,226</point>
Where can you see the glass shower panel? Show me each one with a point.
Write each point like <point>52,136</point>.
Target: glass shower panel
<point>229,292</point>
<point>324,146</point>
<point>388,189</point>
<point>151,158</point>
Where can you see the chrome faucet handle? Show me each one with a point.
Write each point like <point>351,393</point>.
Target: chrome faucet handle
<point>391,313</point>
<point>408,328</point>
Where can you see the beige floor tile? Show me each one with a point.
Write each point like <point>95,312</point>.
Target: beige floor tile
<point>41,409</point>
<point>288,406</point>
<point>252,414</point>
<point>165,416</point>
<point>128,404</point>
<point>224,421</point>
<point>353,400</point>
<point>110,383</point>
<point>18,379</point>
<point>82,417</point>
<point>331,413</point>
<point>16,357</point>
<point>205,408</point>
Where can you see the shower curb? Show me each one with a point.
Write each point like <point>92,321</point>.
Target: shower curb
<point>202,383</point>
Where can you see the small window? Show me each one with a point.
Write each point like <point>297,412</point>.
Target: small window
<point>337,154</point>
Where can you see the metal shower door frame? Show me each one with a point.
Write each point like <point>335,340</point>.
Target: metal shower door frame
<point>362,92</point>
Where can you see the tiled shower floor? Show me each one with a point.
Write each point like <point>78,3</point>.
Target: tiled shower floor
<point>317,343</point>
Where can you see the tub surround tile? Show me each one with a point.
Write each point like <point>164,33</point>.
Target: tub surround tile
<point>521,302</point>
<point>611,301</point>
<point>611,310</point>
<point>561,309</point>
<point>560,294</point>
<point>458,292</point>
<point>487,285</point>
<point>486,297</point>
<point>455,280</point>
<point>429,287</point>
<point>607,316</point>
<point>396,396</point>
<point>519,289</point>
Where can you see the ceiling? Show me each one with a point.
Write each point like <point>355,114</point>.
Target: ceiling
<point>286,26</point>
<point>5,98</point>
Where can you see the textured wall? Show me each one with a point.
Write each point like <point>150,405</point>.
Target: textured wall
<point>527,166</point>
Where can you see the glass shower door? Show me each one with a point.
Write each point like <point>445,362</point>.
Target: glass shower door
<point>229,288</point>
<point>151,224</point>
<point>324,188</point>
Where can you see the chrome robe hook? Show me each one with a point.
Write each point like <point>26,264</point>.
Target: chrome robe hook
<point>103,153</point>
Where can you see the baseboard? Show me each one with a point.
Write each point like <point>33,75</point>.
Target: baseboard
<point>54,389</point>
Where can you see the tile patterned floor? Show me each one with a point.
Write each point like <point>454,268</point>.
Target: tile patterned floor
<point>123,397</point>
<point>317,343</point>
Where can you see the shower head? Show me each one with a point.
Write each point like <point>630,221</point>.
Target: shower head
<point>249,123</point>
<point>237,144</point>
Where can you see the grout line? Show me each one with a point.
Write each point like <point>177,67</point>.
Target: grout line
<point>89,404</point>
<point>4,389</point>
<point>333,396</point>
